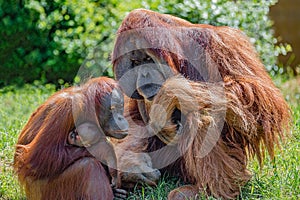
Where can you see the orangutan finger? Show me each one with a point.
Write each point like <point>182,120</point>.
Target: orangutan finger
<point>120,191</point>
<point>147,181</point>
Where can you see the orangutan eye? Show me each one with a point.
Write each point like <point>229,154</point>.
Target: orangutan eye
<point>135,62</point>
<point>74,133</point>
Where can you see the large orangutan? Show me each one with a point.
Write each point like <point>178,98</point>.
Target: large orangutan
<point>61,149</point>
<point>199,104</point>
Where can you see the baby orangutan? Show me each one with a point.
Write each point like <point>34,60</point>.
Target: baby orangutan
<point>91,137</point>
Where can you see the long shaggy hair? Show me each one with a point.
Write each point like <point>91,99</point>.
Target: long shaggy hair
<point>249,117</point>
<point>227,99</point>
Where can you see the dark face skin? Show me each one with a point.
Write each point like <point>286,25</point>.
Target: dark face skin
<point>112,123</point>
<point>142,74</point>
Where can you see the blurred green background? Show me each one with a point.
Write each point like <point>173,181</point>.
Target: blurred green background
<point>48,40</point>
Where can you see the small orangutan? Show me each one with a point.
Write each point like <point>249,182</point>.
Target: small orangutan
<point>61,150</point>
<point>199,104</point>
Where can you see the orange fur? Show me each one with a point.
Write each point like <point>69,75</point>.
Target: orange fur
<point>256,115</point>
<point>46,165</point>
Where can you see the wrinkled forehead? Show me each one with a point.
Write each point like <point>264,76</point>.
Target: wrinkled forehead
<point>117,96</point>
<point>113,98</point>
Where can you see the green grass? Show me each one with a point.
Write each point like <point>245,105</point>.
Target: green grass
<point>279,179</point>
<point>16,105</point>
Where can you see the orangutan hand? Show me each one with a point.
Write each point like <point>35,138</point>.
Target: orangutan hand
<point>119,194</point>
<point>137,168</point>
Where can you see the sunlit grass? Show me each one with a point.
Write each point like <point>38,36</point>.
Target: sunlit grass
<point>16,105</point>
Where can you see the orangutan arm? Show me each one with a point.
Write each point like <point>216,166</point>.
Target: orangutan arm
<point>134,165</point>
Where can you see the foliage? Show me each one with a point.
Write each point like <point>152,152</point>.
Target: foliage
<point>50,40</point>
<point>80,30</point>
<point>21,47</point>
